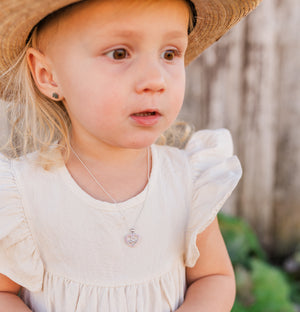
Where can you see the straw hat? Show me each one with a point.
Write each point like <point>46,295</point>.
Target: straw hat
<point>18,17</point>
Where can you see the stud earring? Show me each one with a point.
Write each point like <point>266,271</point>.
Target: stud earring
<point>55,95</point>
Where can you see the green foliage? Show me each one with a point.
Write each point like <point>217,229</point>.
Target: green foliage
<point>296,291</point>
<point>293,266</point>
<point>260,286</point>
<point>240,239</point>
<point>270,288</point>
<point>244,285</point>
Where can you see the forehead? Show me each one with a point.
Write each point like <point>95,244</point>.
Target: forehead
<point>108,12</point>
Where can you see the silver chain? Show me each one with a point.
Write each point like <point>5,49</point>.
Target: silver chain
<point>132,238</point>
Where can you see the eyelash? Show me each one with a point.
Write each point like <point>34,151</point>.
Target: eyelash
<point>175,52</point>
<point>113,54</point>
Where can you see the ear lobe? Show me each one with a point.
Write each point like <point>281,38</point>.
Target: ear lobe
<point>41,72</point>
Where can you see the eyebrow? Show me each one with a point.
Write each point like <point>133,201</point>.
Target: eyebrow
<point>129,33</point>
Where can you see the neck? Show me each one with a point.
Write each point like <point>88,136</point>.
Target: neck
<point>109,155</point>
<point>122,172</point>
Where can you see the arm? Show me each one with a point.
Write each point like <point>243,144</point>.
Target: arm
<point>9,300</point>
<point>211,282</point>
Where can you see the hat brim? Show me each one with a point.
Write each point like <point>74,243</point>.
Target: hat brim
<point>18,18</point>
<point>215,18</point>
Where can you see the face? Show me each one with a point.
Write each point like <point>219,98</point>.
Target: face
<point>119,65</point>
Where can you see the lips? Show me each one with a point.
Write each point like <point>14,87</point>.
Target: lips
<point>146,118</point>
<point>146,114</point>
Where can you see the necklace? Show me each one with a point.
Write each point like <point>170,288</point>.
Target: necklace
<point>132,237</point>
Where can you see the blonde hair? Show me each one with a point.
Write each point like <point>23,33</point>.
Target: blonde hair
<point>37,123</point>
<point>177,135</point>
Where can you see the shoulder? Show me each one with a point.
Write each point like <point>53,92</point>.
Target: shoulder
<point>12,180</point>
<point>19,257</point>
<point>210,142</point>
<point>210,150</point>
<point>24,166</point>
<point>170,154</point>
<point>23,178</point>
<point>173,163</point>
<point>215,174</point>
<point>11,169</point>
<point>203,148</point>
<point>7,178</point>
<point>5,163</point>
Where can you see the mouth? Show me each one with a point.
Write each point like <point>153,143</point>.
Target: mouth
<point>145,114</point>
<point>146,118</point>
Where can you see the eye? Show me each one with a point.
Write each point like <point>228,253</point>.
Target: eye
<point>169,55</point>
<point>117,54</point>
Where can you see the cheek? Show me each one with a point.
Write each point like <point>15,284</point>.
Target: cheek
<point>89,91</point>
<point>75,78</point>
<point>96,105</point>
<point>178,89</point>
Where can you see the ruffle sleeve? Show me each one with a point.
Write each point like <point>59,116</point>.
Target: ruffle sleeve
<point>215,174</point>
<point>19,257</point>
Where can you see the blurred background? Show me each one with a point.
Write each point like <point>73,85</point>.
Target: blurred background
<point>249,82</point>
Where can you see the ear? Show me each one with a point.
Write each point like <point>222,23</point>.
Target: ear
<point>42,74</point>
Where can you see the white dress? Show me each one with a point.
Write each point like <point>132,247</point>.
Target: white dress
<point>67,250</point>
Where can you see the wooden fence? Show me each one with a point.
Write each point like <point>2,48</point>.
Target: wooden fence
<point>249,82</point>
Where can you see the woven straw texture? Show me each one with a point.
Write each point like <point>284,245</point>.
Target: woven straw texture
<point>18,17</point>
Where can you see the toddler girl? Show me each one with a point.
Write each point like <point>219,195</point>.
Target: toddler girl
<point>93,215</point>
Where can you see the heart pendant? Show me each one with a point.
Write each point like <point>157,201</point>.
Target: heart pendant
<point>132,238</point>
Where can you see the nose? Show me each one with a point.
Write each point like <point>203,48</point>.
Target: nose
<point>151,78</point>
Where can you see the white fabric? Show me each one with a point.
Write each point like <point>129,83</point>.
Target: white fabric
<point>67,251</point>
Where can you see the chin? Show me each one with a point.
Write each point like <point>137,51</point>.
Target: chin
<point>143,142</point>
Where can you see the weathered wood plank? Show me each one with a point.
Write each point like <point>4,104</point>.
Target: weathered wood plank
<point>287,184</point>
<point>249,83</point>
